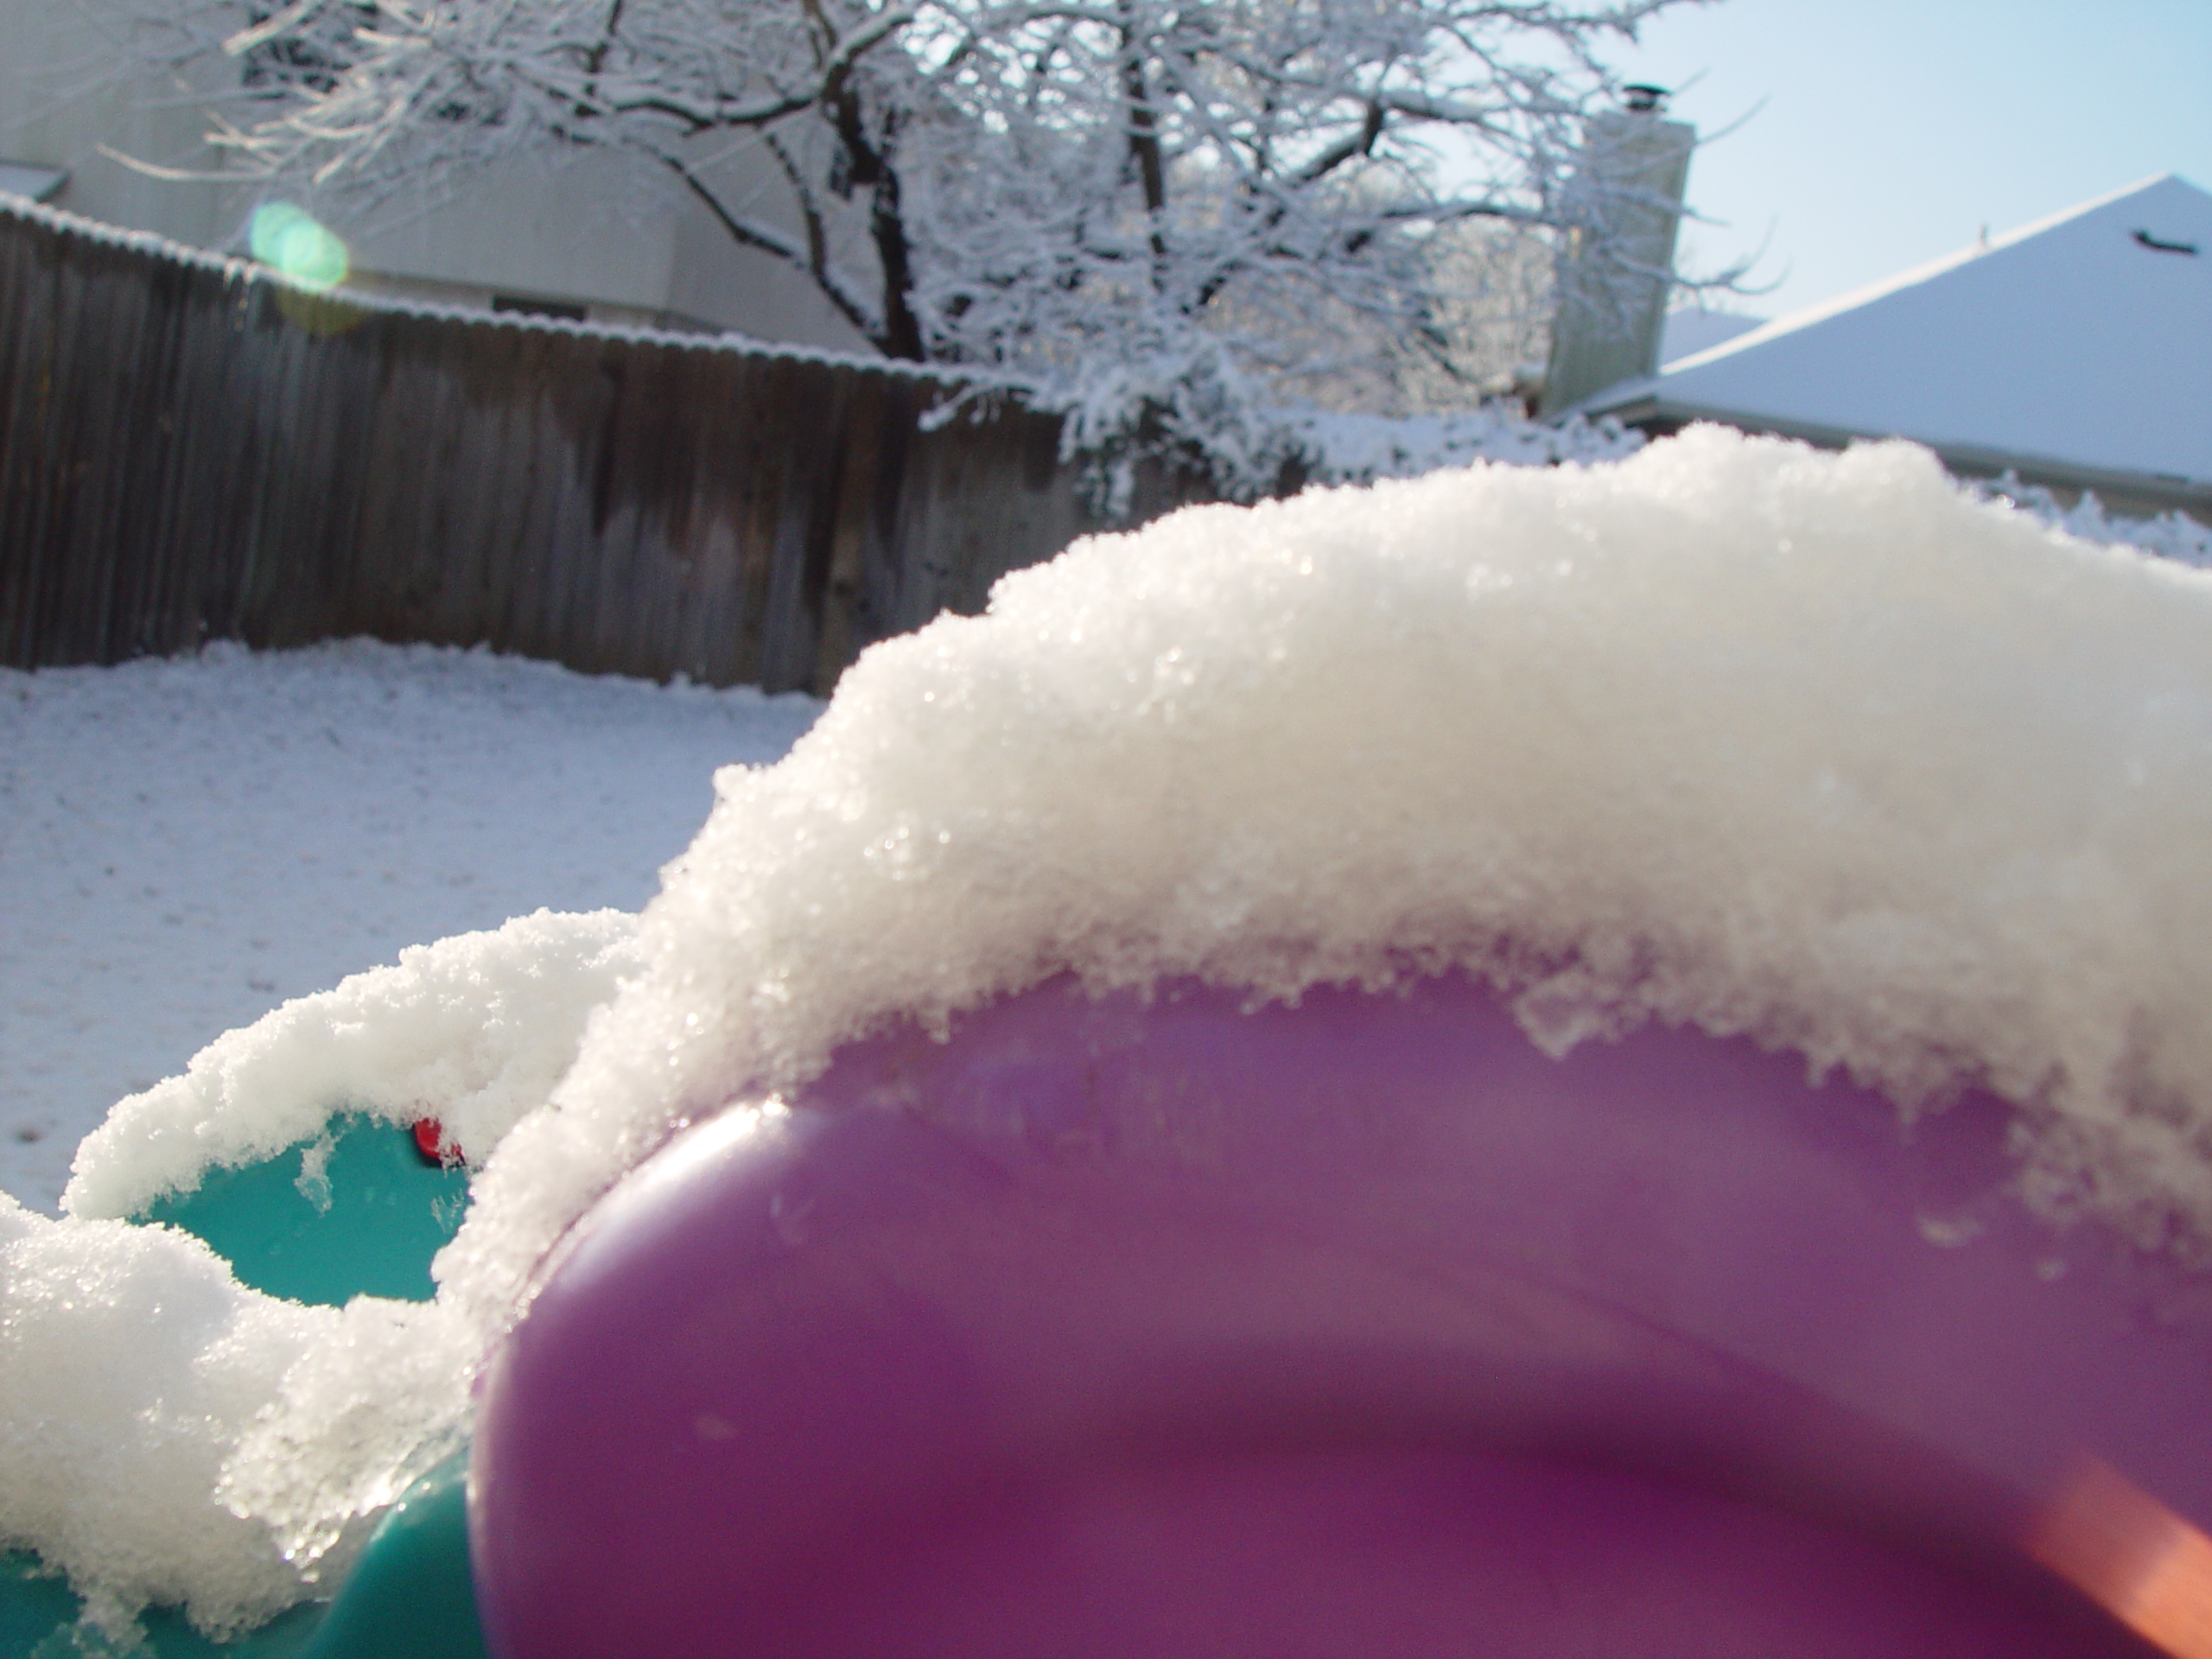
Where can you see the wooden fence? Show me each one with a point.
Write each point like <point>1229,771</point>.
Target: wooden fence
<point>190,450</point>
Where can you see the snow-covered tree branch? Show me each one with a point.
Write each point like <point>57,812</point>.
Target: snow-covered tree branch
<point>1158,213</point>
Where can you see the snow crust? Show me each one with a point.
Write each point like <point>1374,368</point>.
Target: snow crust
<point>1808,747</point>
<point>473,1030</point>
<point>168,1435</point>
<point>131,1364</point>
<point>1815,748</point>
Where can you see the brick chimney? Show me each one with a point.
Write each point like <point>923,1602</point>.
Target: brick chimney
<point>1610,311</point>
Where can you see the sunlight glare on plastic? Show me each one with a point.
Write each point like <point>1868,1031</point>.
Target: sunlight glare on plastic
<point>2133,1556</point>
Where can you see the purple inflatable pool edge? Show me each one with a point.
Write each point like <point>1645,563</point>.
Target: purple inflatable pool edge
<point>1140,1328</point>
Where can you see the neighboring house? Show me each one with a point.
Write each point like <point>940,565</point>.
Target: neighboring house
<point>1690,329</point>
<point>2076,353</point>
<point>588,238</point>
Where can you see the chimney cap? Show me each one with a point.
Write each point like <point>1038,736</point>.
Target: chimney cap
<point>1643,97</point>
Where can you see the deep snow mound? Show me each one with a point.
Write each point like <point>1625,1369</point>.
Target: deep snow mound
<point>1816,749</point>
<point>1809,747</point>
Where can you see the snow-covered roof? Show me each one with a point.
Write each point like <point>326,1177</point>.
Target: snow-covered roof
<point>2080,344</point>
<point>1692,330</point>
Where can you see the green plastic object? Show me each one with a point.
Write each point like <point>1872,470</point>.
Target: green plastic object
<point>31,1606</point>
<point>356,1212</point>
<point>410,1593</point>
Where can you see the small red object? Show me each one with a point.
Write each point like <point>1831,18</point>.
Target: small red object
<point>430,1141</point>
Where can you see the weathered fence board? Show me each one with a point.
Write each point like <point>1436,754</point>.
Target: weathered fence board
<point>190,450</point>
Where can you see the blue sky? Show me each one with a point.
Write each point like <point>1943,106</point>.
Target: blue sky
<point>1882,133</point>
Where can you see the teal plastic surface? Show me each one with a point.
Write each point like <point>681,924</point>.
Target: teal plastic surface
<point>357,1212</point>
<point>410,1592</point>
<point>31,1606</point>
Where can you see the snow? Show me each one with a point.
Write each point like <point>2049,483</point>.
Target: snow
<point>2170,536</point>
<point>1815,748</point>
<point>1345,449</point>
<point>237,270</point>
<point>181,843</point>
<point>184,844</point>
<point>131,1363</point>
<point>473,1032</point>
<point>2066,340</point>
<point>1812,747</point>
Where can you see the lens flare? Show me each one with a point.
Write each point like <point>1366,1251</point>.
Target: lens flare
<point>288,239</point>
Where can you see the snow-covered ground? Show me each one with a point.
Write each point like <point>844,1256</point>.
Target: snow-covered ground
<point>184,844</point>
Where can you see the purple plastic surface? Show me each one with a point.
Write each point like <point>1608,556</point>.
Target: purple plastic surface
<point>1361,1328</point>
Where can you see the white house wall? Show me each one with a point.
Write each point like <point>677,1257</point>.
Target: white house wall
<point>62,97</point>
<point>712,277</point>
<point>582,228</point>
<point>587,228</point>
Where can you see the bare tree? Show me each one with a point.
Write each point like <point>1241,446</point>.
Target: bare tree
<point>1156,213</point>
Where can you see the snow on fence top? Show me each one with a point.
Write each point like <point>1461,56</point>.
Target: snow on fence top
<point>224,456</point>
<point>151,245</point>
